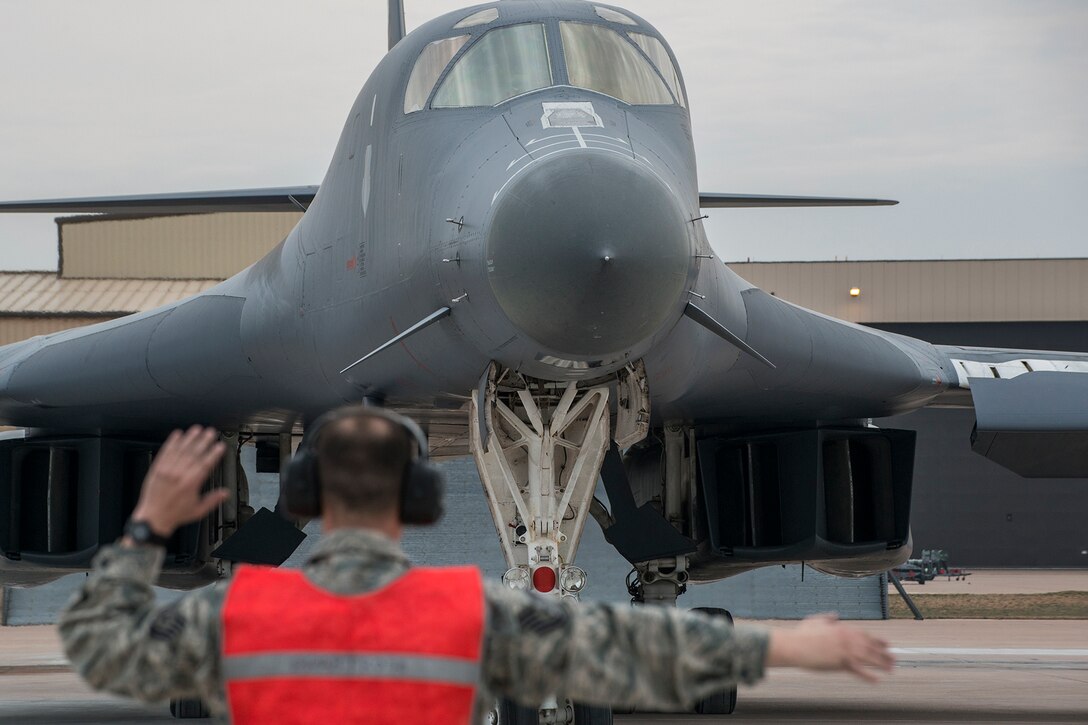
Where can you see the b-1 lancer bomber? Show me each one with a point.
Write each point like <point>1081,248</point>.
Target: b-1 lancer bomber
<point>508,245</point>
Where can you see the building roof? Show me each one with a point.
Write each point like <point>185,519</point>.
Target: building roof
<point>44,293</point>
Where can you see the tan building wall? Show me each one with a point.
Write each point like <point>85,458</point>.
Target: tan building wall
<point>15,329</point>
<point>193,246</point>
<point>1004,290</point>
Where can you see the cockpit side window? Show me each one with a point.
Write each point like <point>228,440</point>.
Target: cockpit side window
<point>504,63</point>
<point>429,66</point>
<point>613,16</point>
<point>600,59</point>
<point>656,52</point>
<point>482,17</point>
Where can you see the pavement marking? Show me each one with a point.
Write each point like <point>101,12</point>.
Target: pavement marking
<point>34,669</point>
<point>990,652</point>
<point>1033,665</point>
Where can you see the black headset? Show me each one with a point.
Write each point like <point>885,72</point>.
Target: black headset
<point>421,488</point>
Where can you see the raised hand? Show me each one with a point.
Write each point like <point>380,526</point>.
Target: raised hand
<point>171,495</point>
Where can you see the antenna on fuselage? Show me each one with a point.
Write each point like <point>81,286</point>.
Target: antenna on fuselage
<point>396,22</point>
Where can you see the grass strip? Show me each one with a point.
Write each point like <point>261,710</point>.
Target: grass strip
<point>1056,605</point>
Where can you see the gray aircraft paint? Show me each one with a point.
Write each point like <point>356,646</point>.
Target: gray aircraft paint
<point>453,208</point>
<point>266,347</point>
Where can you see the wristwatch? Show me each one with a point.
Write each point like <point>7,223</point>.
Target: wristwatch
<point>140,532</point>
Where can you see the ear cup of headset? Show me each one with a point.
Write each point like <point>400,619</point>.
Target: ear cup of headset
<point>421,489</point>
<point>300,489</point>
<point>421,494</point>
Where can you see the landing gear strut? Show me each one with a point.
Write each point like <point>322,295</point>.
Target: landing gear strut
<point>507,712</point>
<point>661,581</point>
<point>539,447</point>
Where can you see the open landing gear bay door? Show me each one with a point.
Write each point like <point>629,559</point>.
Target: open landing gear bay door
<point>1031,408</point>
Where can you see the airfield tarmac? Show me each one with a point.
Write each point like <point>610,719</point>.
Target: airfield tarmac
<point>949,671</point>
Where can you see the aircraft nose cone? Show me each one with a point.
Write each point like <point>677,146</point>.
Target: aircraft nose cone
<point>588,253</point>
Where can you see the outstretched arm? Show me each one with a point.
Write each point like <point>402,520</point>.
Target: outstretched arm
<point>650,657</point>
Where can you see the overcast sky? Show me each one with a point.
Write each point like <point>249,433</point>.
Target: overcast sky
<point>973,114</point>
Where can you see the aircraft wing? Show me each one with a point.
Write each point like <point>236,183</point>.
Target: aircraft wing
<point>296,198</point>
<point>735,201</point>
<point>1031,408</point>
<point>285,198</point>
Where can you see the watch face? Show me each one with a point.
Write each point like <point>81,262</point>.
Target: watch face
<point>141,533</point>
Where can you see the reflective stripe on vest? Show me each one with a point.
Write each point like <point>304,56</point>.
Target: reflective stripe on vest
<point>444,670</point>
<point>296,653</point>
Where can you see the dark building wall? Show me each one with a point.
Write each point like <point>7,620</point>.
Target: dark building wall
<point>1067,336</point>
<point>981,513</point>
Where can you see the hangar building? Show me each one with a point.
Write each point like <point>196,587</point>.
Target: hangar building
<point>982,514</point>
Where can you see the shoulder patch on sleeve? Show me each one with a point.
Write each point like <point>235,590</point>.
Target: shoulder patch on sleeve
<point>543,618</point>
<point>167,624</point>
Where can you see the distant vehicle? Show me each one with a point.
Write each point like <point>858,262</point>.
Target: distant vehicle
<point>940,559</point>
<point>933,563</point>
<point>913,570</point>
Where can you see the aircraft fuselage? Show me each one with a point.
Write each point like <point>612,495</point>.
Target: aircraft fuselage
<point>561,228</point>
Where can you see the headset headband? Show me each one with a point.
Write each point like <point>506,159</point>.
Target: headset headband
<point>313,431</point>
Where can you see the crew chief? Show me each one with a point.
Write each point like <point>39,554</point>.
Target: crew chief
<point>360,635</point>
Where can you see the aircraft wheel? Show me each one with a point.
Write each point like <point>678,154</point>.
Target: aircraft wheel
<point>592,715</point>
<point>188,709</point>
<point>720,703</point>
<point>724,702</point>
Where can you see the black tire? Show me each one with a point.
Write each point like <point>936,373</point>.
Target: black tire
<point>511,713</point>
<point>592,715</point>
<point>720,703</point>
<point>188,709</point>
<point>724,702</point>
<point>715,612</point>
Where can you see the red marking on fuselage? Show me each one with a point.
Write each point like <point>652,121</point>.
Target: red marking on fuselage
<point>351,263</point>
<point>403,344</point>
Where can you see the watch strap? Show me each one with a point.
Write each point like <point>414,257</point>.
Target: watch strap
<point>142,533</point>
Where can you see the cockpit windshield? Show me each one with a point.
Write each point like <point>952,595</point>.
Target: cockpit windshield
<point>600,59</point>
<point>508,61</point>
<point>504,63</point>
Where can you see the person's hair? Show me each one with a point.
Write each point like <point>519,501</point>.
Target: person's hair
<point>362,459</point>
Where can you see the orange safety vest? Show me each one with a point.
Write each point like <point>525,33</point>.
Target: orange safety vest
<point>410,652</point>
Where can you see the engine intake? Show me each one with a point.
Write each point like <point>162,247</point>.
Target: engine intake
<point>66,496</point>
<point>815,495</point>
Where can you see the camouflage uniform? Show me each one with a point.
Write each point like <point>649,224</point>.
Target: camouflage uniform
<point>649,657</point>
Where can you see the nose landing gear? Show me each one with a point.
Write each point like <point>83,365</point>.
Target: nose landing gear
<point>539,447</point>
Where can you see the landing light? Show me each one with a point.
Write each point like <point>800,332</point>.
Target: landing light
<point>516,578</point>
<point>572,579</point>
<point>855,292</point>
